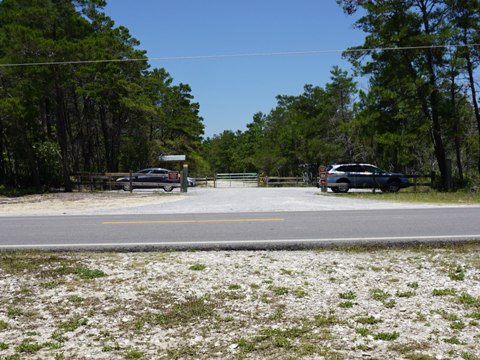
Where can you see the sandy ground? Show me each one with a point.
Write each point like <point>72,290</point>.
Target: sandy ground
<point>82,202</point>
<point>419,303</point>
<point>196,200</point>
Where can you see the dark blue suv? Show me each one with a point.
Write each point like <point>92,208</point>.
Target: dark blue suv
<point>361,176</point>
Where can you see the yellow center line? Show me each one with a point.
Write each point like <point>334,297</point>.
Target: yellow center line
<point>142,222</point>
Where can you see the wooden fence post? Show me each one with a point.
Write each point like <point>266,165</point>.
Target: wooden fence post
<point>131,181</point>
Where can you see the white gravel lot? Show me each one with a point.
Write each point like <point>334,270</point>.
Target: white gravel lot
<point>196,200</point>
<point>397,303</point>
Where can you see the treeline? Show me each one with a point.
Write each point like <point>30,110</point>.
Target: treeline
<point>420,112</point>
<point>64,117</point>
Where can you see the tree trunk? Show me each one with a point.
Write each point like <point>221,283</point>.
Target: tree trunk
<point>434,104</point>
<point>456,124</point>
<point>473,91</point>
<point>62,136</point>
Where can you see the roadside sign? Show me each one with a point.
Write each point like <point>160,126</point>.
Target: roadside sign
<point>173,175</point>
<point>172,158</point>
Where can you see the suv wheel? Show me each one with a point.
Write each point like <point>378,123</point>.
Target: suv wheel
<point>393,186</point>
<point>344,187</point>
<point>168,188</point>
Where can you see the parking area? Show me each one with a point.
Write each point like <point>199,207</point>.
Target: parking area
<point>198,200</point>
<point>208,200</point>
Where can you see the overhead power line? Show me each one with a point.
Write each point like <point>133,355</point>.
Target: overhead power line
<point>199,57</point>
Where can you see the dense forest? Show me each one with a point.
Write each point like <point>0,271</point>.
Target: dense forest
<point>62,118</point>
<point>419,113</point>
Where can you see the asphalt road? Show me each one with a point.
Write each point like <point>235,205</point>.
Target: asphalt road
<point>240,230</point>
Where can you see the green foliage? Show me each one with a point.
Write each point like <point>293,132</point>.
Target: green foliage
<point>88,274</point>
<point>386,336</point>
<point>198,267</point>
<point>96,117</point>
<point>368,320</point>
<point>443,292</point>
<point>350,295</point>
<point>457,274</point>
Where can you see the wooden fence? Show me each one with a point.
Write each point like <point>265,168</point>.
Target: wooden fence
<point>106,181</point>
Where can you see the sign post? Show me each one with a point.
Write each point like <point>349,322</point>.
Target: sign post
<point>184,179</point>
<point>322,172</point>
<point>175,175</point>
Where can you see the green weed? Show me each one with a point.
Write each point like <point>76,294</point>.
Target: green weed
<point>385,336</point>
<point>379,295</point>
<point>198,267</point>
<point>444,292</point>
<point>457,274</point>
<point>346,304</point>
<point>368,320</point>
<point>349,295</point>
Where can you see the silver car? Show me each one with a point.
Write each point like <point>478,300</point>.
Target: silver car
<point>361,176</point>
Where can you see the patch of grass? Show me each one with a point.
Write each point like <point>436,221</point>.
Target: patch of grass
<point>410,350</point>
<point>405,294</point>
<point>88,274</point>
<point>348,295</point>
<point>447,316</point>
<point>286,272</point>
<point>370,320</point>
<point>379,295</point>
<point>444,292</point>
<point>189,310</point>
<point>468,300</point>
<point>27,346</point>
<point>475,315</point>
<point>386,336</point>
<point>325,319</point>
<point>246,345</point>
<point>279,290</point>
<point>346,304</point>
<point>255,286</point>
<point>75,299</point>
<point>133,354</point>
<point>457,325</point>
<point>417,356</point>
<point>183,352</point>
<point>469,356</point>
<point>430,196</point>
<point>363,331</point>
<point>3,346</point>
<point>413,285</point>
<point>457,274</point>
<point>390,304</point>
<point>73,323</point>
<point>300,292</point>
<point>28,262</point>
<point>453,340</point>
<point>3,325</point>
<point>13,312</point>
<point>234,287</point>
<point>198,267</point>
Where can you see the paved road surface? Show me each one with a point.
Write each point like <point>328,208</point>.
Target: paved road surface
<point>240,230</point>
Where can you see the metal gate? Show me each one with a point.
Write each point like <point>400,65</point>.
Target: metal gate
<point>230,180</point>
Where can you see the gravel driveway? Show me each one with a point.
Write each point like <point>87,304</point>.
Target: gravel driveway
<point>196,200</point>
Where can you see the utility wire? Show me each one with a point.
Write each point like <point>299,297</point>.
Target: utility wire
<point>198,57</point>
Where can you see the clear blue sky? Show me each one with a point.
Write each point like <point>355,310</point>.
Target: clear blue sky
<point>231,90</point>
